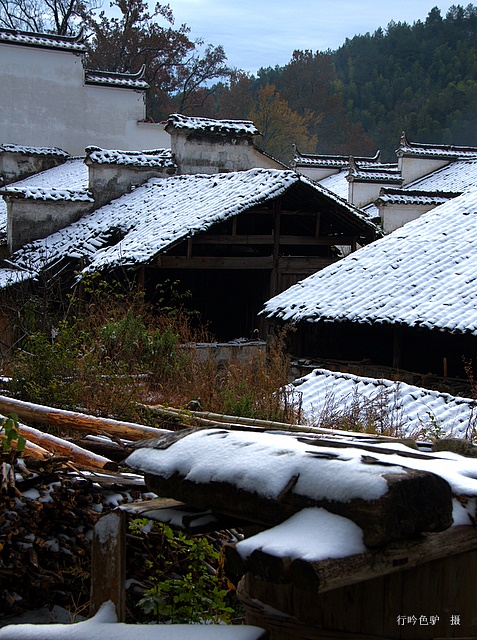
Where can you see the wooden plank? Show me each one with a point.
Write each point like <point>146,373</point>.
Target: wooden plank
<point>335,573</point>
<point>244,239</point>
<point>108,563</point>
<point>180,516</point>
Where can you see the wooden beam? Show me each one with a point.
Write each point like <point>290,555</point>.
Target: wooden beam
<point>275,275</point>
<point>108,563</point>
<point>243,239</point>
<point>212,262</point>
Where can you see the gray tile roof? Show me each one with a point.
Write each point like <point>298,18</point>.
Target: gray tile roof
<point>162,212</point>
<point>409,408</point>
<point>422,275</point>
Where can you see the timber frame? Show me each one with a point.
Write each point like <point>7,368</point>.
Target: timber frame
<point>259,253</point>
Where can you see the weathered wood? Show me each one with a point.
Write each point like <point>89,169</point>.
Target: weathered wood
<point>339,572</point>
<point>108,563</point>
<point>220,419</point>
<point>415,501</point>
<point>77,421</point>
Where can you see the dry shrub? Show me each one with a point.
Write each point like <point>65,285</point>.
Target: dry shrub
<point>116,351</point>
<point>380,414</point>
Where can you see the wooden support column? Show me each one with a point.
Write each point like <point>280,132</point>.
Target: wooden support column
<point>398,345</point>
<point>274,276</point>
<point>141,278</point>
<point>108,563</point>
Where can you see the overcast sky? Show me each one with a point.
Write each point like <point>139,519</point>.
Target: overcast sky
<point>263,33</point>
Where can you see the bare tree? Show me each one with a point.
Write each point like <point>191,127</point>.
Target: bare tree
<point>45,16</point>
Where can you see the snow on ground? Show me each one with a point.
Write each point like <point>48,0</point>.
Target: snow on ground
<point>409,408</point>
<point>104,625</point>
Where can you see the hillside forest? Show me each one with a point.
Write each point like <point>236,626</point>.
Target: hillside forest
<point>419,78</point>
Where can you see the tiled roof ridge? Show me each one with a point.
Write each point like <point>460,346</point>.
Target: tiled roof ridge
<point>46,40</point>
<point>212,125</point>
<point>115,78</point>
<point>434,150</point>
<point>331,159</point>
<point>28,150</point>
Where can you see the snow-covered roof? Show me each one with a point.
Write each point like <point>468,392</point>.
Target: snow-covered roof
<point>458,176</point>
<point>421,275</point>
<point>110,79</point>
<point>210,125</point>
<point>44,40</point>
<point>68,181</point>
<point>337,184</point>
<point>444,151</point>
<point>411,409</point>
<point>151,158</point>
<point>57,183</point>
<point>162,212</point>
<point>33,151</point>
<point>332,161</point>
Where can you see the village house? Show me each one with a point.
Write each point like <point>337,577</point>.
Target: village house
<point>406,302</point>
<point>232,239</point>
<point>424,177</point>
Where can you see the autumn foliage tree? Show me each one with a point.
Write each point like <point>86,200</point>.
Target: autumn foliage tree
<point>279,125</point>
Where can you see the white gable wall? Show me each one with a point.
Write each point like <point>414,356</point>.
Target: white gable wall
<point>47,104</point>
<point>394,216</point>
<point>412,167</point>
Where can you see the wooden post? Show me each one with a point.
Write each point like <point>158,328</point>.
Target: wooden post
<point>275,275</point>
<point>108,563</point>
<point>397,346</point>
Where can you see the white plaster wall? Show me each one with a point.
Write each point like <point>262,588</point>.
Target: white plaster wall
<point>317,173</point>
<point>414,168</point>
<point>29,219</point>
<point>362,193</point>
<point>199,152</point>
<point>395,216</point>
<point>44,102</point>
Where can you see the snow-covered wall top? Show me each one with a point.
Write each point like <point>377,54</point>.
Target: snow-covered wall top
<point>337,161</point>
<point>45,40</point>
<point>210,125</point>
<point>422,275</point>
<point>153,158</point>
<point>411,197</point>
<point>107,78</point>
<point>448,152</point>
<point>35,151</point>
